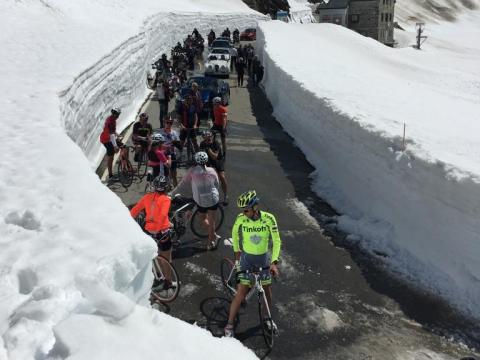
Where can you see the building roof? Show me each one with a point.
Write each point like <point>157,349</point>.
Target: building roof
<point>333,4</point>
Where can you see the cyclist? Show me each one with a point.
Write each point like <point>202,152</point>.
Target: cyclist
<point>142,130</point>
<point>172,141</point>
<point>251,233</point>
<point>157,224</point>
<point>108,138</point>
<point>189,123</point>
<point>157,159</point>
<point>220,113</point>
<point>215,159</point>
<point>204,185</point>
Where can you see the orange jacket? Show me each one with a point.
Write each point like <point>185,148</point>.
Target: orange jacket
<point>156,208</point>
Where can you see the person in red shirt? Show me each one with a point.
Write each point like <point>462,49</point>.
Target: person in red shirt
<point>108,138</point>
<point>220,114</point>
<point>157,224</point>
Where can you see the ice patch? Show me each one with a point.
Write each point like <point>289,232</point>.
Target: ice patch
<point>212,278</point>
<point>188,289</point>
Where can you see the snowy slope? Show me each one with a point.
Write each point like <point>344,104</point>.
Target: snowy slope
<point>346,103</point>
<point>68,247</point>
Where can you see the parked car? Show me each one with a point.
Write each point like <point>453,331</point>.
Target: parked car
<point>249,34</point>
<point>218,62</point>
<point>209,87</point>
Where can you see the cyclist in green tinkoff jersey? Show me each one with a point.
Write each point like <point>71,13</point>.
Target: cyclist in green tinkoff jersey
<point>251,233</point>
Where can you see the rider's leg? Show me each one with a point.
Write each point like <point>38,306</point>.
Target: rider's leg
<point>242,291</point>
<point>212,236</point>
<point>110,165</point>
<point>224,144</point>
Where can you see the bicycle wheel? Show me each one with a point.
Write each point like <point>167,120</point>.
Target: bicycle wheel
<point>142,164</point>
<point>196,223</point>
<point>167,276</point>
<point>124,174</point>
<point>266,321</point>
<point>229,276</point>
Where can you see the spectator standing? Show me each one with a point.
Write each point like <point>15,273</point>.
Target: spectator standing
<point>233,58</point>
<point>240,71</point>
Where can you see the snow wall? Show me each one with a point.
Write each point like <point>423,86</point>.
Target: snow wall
<point>119,78</point>
<point>426,221</point>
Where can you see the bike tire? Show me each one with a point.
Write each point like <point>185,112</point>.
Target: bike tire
<point>169,295</point>
<point>196,223</point>
<point>142,164</point>
<point>228,276</point>
<point>268,332</point>
<point>125,176</point>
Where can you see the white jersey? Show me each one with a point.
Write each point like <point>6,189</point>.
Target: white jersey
<point>204,182</point>
<point>169,139</point>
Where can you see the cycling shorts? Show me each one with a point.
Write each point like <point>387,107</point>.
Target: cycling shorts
<point>203,210</point>
<point>191,133</point>
<point>163,240</point>
<point>219,129</point>
<point>250,262</point>
<point>110,148</point>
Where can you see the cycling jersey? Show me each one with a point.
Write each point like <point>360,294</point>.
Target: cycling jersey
<point>252,236</point>
<point>156,208</point>
<point>142,130</point>
<point>204,183</point>
<point>109,128</point>
<point>220,112</point>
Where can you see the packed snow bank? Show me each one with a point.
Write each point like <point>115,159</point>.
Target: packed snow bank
<point>345,104</point>
<point>68,245</point>
<point>432,11</point>
<point>301,11</point>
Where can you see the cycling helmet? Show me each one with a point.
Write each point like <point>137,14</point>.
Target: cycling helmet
<point>207,133</point>
<point>116,111</point>
<point>201,158</point>
<point>144,116</point>
<point>158,138</point>
<point>160,183</point>
<point>217,100</point>
<point>248,199</point>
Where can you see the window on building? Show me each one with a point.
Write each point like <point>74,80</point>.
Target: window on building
<point>327,18</point>
<point>382,18</point>
<point>391,16</point>
<point>354,18</point>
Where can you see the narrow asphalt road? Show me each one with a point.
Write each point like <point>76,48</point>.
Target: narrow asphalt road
<point>332,301</point>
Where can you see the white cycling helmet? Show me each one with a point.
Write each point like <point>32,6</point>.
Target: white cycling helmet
<point>217,100</point>
<point>201,158</point>
<point>158,138</point>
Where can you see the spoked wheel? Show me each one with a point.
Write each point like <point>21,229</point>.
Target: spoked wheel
<point>167,283</point>
<point>142,164</point>
<point>229,276</point>
<point>125,173</point>
<point>266,323</point>
<point>196,224</point>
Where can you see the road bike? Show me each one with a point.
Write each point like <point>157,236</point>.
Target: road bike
<point>190,147</point>
<point>142,161</point>
<point>185,210</point>
<point>231,278</point>
<point>167,280</point>
<point>125,169</point>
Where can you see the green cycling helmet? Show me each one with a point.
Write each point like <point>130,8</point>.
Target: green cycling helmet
<point>248,199</point>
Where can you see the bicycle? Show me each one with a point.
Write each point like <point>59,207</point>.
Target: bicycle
<point>189,144</point>
<point>185,210</point>
<point>167,277</point>
<point>142,161</point>
<point>230,279</point>
<point>124,168</point>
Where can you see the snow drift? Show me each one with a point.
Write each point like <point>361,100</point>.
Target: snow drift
<point>345,105</point>
<point>68,246</point>
<point>301,11</point>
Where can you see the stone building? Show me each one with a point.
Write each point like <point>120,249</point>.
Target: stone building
<point>372,18</point>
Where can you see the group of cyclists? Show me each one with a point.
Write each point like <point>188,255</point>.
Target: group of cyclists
<point>252,229</point>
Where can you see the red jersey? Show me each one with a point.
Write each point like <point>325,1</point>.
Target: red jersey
<point>109,128</point>
<point>218,114</point>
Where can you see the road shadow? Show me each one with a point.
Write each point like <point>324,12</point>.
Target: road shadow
<point>189,248</point>
<point>432,313</point>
